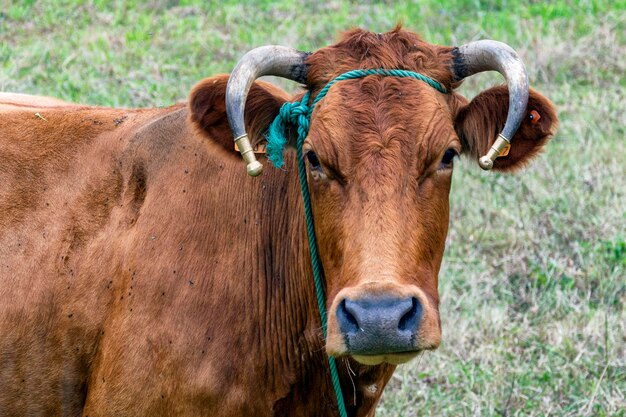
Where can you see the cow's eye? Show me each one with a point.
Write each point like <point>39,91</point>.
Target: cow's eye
<point>317,172</point>
<point>313,161</point>
<point>448,159</point>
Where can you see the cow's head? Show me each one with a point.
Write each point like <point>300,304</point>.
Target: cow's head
<point>380,154</point>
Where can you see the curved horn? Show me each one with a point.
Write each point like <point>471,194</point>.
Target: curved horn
<point>489,55</point>
<point>275,60</point>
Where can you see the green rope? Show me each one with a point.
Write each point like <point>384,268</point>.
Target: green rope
<point>299,114</point>
<point>317,275</point>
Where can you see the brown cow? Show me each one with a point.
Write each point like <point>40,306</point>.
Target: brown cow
<point>143,273</point>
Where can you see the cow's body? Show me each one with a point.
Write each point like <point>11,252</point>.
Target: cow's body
<point>122,292</point>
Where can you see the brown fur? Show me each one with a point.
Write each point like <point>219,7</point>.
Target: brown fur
<point>398,49</point>
<point>143,273</point>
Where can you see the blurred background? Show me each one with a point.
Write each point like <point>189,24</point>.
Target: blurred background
<point>533,283</point>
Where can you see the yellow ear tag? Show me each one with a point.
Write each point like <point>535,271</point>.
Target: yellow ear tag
<point>260,148</point>
<point>505,151</point>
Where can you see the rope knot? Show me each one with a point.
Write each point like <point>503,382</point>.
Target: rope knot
<point>292,111</point>
<point>295,114</point>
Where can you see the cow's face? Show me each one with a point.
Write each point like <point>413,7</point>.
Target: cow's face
<point>380,156</point>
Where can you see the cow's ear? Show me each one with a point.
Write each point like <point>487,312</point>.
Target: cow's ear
<point>478,124</point>
<point>207,107</point>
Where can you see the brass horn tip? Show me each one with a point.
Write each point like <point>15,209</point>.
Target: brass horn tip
<point>485,163</point>
<point>254,168</point>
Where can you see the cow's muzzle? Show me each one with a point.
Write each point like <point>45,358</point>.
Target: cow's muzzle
<point>378,322</point>
<point>379,325</point>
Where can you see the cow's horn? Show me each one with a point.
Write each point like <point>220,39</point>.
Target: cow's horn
<point>487,55</point>
<point>275,60</point>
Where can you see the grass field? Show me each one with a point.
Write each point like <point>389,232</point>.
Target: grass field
<point>533,283</point>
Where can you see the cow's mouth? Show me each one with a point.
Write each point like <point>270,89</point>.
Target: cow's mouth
<point>396,358</point>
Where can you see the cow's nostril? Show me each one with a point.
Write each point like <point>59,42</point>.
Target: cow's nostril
<point>409,320</point>
<point>346,319</point>
<point>375,325</point>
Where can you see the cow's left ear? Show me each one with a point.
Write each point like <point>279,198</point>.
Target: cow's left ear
<point>207,110</point>
<point>478,124</point>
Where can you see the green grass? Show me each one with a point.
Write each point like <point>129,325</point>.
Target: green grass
<point>533,283</point>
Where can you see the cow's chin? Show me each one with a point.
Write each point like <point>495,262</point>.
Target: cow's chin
<point>390,358</point>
